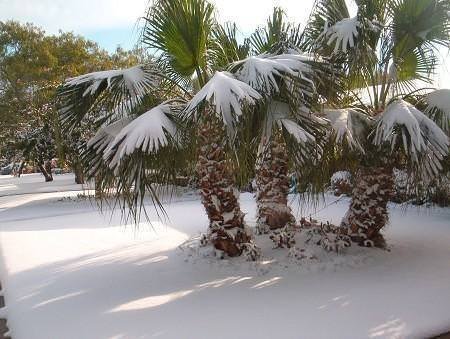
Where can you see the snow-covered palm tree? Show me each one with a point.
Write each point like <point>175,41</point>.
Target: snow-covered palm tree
<point>183,105</point>
<point>289,129</point>
<point>384,51</point>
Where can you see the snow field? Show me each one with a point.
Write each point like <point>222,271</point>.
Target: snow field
<point>70,272</point>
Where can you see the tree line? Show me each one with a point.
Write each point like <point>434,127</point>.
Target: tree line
<point>32,66</point>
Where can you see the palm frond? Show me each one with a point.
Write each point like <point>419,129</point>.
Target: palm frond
<point>137,162</point>
<point>419,22</point>
<point>141,179</point>
<point>180,32</point>
<point>325,13</point>
<point>114,91</point>
<point>265,72</point>
<point>278,36</point>
<point>349,126</point>
<point>92,153</point>
<point>343,34</point>
<point>226,93</point>
<point>288,119</point>
<point>149,132</point>
<point>225,47</point>
<point>401,124</point>
<point>438,108</point>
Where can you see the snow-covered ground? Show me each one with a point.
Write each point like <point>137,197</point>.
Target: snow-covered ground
<point>35,183</point>
<point>70,272</point>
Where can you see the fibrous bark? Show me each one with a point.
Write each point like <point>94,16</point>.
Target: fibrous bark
<point>227,230</point>
<point>79,175</point>
<point>367,213</point>
<point>21,167</point>
<point>272,182</point>
<point>46,170</point>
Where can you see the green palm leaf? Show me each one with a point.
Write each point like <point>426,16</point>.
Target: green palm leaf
<point>180,31</point>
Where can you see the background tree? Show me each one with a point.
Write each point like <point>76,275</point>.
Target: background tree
<point>32,65</point>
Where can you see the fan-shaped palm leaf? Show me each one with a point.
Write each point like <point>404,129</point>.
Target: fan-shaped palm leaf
<point>92,154</point>
<point>349,126</point>
<point>226,94</point>
<point>438,107</point>
<point>180,31</point>
<point>225,48</point>
<point>266,72</point>
<point>117,91</point>
<point>423,141</point>
<point>149,132</point>
<point>277,36</point>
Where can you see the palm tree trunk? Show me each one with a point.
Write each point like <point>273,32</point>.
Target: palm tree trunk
<point>21,167</point>
<point>227,230</point>
<point>78,171</point>
<point>48,169</point>
<point>272,184</point>
<point>43,168</point>
<point>367,213</point>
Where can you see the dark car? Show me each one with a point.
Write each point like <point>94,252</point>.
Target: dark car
<point>7,170</point>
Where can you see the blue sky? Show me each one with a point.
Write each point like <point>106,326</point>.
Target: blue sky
<point>115,22</point>
<point>109,39</point>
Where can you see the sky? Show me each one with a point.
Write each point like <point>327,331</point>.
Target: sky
<point>113,23</point>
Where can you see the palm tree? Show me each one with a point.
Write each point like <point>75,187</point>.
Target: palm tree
<point>289,130</point>
<point>384,51</point>
<point>195,107</point>
<point>272,170</point>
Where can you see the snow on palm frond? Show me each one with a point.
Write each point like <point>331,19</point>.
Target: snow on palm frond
<point>226,94</point>
<point>101,140</point>
<point>92,154</point>
<point>420,136</point>
<point>348,125</point>
<point>296,131</point>
<point>261,72</point>
<point>117,91</point>
<point>148,133</point>
<point>439,108</point>
<point>279,113</point>
<point>343,33</point>
<point>134,79</point>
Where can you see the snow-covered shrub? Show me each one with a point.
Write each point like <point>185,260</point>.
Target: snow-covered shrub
<point>341,183</point>
<point>330,237</point>
<point>438,192</point>
<point>435,192</point>
<point>250,251</point>
<point>283,237</point>
<point>301,253</point>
